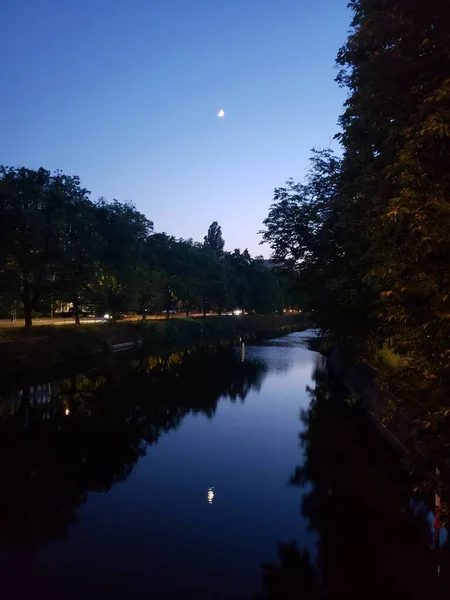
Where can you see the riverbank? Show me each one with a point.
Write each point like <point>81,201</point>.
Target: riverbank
<point>402,429</point>
<point>361,382</point>
<point>43,347</point>
<point>360,379</point>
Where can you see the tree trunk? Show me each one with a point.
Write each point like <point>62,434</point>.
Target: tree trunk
<point>76,311</point>
<point>187,313</point>
<point>27,310</point>
<point>144,316</point>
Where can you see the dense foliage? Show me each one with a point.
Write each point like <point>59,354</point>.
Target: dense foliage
<point>368,232</point>
<point>57,246</point>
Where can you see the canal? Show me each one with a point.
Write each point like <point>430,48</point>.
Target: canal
<point>215,473</point>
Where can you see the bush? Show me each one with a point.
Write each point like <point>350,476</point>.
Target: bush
<point>386,359</point>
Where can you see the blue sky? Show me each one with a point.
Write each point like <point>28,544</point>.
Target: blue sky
<point>125,95</point>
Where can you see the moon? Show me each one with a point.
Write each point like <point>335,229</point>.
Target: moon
<point>221,113</point>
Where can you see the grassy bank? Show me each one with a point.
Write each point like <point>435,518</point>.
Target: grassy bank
<point>45,346</point>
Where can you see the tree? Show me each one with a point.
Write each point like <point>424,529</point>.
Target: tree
<point>214,239</point>
<point>149,289</point>
<point>368,236</point>
<point>256,287</point>
<point>124,232</point>
<point>81,244</point>
<point>215,286</point>
<point>176,261</point>
<point>265,294</point>
<point>241,265</point>
<point>313,229</point>
<point>55,244</point>
<point>185,275</point>
<point>396,137</point>
<point>33,214</point>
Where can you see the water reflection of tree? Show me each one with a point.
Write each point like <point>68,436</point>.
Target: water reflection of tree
<point>85,433</point>
<point>373,541</point>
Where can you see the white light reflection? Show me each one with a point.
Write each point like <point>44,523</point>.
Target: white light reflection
<point>210,495</point>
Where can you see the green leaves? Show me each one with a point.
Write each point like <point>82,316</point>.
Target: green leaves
<point>368,236</point>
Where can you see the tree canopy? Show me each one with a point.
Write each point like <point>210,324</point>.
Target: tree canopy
<point>368,233</point>
<point>214,239</point>
<point>57,247</point>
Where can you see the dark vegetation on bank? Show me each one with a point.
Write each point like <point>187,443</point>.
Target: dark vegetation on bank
<point>51,346</point>
<point>373,530</point>
<point>367,234</point>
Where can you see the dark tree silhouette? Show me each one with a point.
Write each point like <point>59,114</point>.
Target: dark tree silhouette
<point>214,239</point>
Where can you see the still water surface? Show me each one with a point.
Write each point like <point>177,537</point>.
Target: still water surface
<point>213,473</point>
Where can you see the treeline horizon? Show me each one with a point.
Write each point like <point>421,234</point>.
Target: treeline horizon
<point>368,232</point>
<point>56,244</point>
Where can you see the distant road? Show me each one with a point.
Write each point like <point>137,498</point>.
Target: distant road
<point>6,323</point>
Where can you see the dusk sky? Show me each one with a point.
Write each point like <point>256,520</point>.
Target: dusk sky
<point>126,95</point>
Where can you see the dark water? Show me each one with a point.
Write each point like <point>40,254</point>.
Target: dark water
<point>207,474</point>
